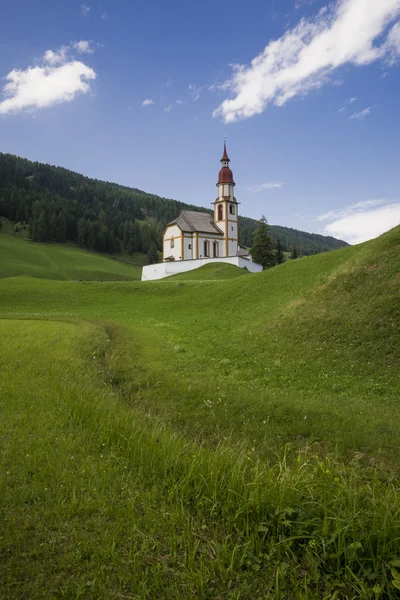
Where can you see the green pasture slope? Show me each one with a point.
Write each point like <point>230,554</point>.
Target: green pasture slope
<point>219,271</point>
<point>59,261</point>
<point>227,439</point>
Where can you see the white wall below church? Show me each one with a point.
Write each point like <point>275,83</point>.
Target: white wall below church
<point>166,269</point>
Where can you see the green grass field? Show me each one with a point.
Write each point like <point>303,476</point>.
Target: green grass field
<point>60,261</point>
<point>222,438</point>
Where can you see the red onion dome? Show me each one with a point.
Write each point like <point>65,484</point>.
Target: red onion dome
<point>225,176</point>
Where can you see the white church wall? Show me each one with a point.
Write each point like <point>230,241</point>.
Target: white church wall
<point>176,251</point>
<point>188,247</point>
<point>166,269</point>
<point>204,237</point>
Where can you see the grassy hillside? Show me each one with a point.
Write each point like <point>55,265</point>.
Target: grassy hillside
<point>52,261</point>
<point>219,271</point>
<point>232,438</point>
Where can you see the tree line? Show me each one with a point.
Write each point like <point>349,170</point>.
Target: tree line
<point>60,205</point>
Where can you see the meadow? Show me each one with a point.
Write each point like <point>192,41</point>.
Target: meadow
<point>19,257</point>
<point>213,435</point>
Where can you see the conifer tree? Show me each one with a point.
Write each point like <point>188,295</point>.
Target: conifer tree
<point>294,254</point>
<point>152,254</point>
<point>279,256</point>
<point>261,251</point>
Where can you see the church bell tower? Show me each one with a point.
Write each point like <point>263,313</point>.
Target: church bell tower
<point>226,207</point>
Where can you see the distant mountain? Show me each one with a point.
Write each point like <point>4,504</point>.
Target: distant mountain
<point>61,205</point>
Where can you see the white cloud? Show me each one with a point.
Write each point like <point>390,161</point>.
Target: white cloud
<point>362,114</point>
<point>179,101</point>
<point>265,186</point>
<point>57,79</point>
<point>305,57</point>
<point>58,57</point>
<point>85,10</point>
<point>167,108</point>
<point>83,46</point>
<point>362,221</point>
<point>352,100</point>
<point>147,102</point>
<point>104,16</point>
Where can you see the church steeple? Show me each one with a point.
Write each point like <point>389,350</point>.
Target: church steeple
<point>226,207</point>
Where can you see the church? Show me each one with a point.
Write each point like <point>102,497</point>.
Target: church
<point>196,238</point>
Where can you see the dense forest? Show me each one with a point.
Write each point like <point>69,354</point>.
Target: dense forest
<point>60,205</point>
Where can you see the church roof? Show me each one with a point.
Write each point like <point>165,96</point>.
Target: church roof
<point>192,221</point>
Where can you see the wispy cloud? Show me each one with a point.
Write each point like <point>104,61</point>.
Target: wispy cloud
<point>104,16</point>
<point>352,208</point>
<point>304,58</point>
<point>195,91</point>
<point>57,78</point>
<point>362,221</point>
<point>362,114</point>
<point>179,101</point>
<point>85,10</point>
<point>147,102</point>
<point>346,104</point>
<point>269,185</point>
<point>168,108</point>
<point>300,3</point>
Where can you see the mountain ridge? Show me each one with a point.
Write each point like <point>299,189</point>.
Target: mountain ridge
<point>60,204</point>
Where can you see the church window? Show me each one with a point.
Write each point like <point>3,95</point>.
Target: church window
<point>190,246</point>
<point>172,243</point>
<point>215,249</point>
<point>220,213</point>
<point>231,209</point>
<point>232,228</point>
<point>206,248</point>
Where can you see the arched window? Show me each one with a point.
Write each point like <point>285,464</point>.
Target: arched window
<point>231,209</point>
<point>172,243</point>
<point>220,212</point>
<point>215,249</point>
<point>206,245</point>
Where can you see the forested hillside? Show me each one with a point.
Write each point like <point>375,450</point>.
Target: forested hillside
<point>60,205</point>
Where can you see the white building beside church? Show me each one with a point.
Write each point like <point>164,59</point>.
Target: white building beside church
<point>196,238</point>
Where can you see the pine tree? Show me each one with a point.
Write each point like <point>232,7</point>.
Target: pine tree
<point>152,254</point>
<point>294,254</point>
<point>261,251</point>
<point>279,256</point>
<point>81,232</point>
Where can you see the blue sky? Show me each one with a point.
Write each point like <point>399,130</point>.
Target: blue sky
<point>143,92</point>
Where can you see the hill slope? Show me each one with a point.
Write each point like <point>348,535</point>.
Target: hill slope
<point>52,261</point>
<point>232,438</point>
<point>60,204</point>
